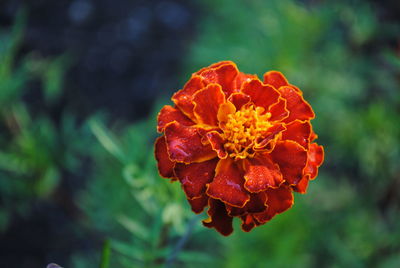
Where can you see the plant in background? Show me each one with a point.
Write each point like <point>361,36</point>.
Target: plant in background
<point>238,145</point>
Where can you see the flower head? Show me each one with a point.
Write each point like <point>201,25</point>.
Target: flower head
<point>238,145</point>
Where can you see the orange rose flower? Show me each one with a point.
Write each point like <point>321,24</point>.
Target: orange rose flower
<point>238,145</point>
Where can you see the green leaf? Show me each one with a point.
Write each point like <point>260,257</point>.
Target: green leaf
<point>105,256</point>
<point>106,139</point>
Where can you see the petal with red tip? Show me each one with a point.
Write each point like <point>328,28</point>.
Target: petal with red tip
<point>184,144</point>
<point>261,173</point>
<point>261,95</point>
<point>256,204</point>
<point>165,165</point>
<point>224,75</point>
<point>198,204</point>
<point>183,98</point>
<point>169,114</point>
<point>297,106</point>
<point>195,176</point>
<point>279,200</point>
<point>228,184</point>
<point>276,79</point>
<point>315,159</point>
<point>239,99</point>
<point>301,187</point>
<point>299,132</point>
<point>278,110</point>
<point>206,104</point>
<point>217,143</point>
<point>218,218</point>
<point>291,158</point>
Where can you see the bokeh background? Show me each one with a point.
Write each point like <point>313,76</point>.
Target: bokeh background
<point>81,82</point>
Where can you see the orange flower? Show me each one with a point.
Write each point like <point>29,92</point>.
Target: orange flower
<point>238,145</point>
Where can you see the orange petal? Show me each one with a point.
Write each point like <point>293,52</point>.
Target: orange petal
<point>301,187</point>
<point>291,158</point>
<point>276,79</point>
<point>198,204</point>
<point>228,184</point>
<point>183,98</point>
<point>261,95</point>
<point>299,132</point>
<point>297,106</point>
<point>315,158</point>
<point>239,99</point>
<point>169,114</point>
<point>256,204</point>
<point>279,200</point>
<point>195,176</point>
<point>225,109</point>
<point>261,173</point>
<point>218,218</point>
<point>278,110</point>
<point>184,144</point>
<point>206,104</point>
<point>217,143</point>
<point>165,165</point>
<point>224,75</point>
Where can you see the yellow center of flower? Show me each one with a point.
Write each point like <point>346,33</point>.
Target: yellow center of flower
<point>243,129</point>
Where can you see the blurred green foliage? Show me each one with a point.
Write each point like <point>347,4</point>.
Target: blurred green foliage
<point>331,50</point>
<point>34,150</point>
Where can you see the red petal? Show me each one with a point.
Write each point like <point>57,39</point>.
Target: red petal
<point>183,98</point>
<point>256,204</point>
<point>228,184</point>
<point>291,158</point>
<point>184,144</point>
<point>301,187</point>
<point>267,142</point>
<point>248,223</point>
<point>299,132</point>
<point>262,173</point>
<point>206,104</point>
<point>215,65</point>
<point>279,200</point>
<point>276,79</point>
<point>218,218</point>
<point>198,204</point>
<point>278,110</point>
<point>242,77</point>
<point>313,136</point>
<point>297,106</point>
<point>217,143</point>
<point>315,159</point>
<point>261,95</point>
<point>195,176</point>
<point>165,165</point>
<point>224,75</point>
<point>239,99</point>
<point>169,114</point>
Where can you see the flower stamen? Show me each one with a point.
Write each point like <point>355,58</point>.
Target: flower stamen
<point>243,129</point>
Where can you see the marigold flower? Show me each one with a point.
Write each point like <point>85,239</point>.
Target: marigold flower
<point>238,145</point>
